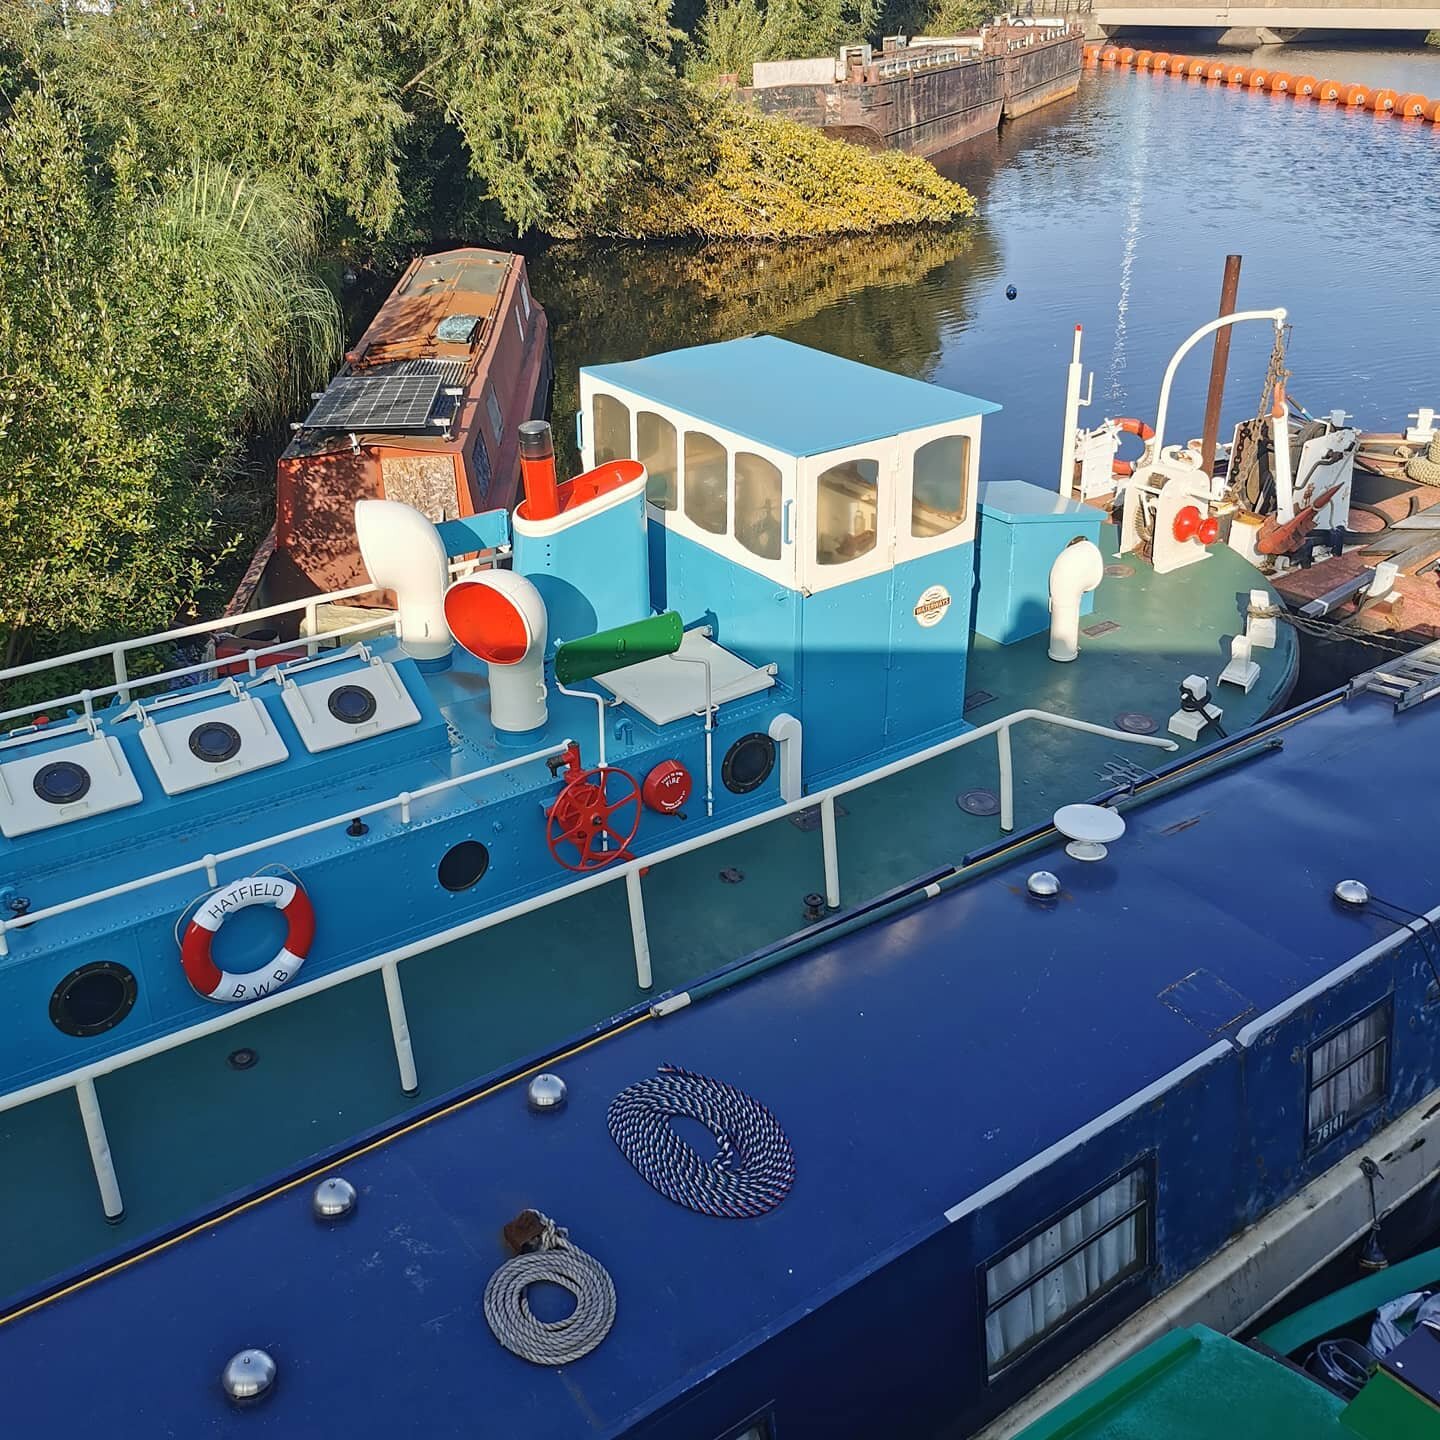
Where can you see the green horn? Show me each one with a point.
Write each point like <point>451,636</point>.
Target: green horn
<point>608,650</point>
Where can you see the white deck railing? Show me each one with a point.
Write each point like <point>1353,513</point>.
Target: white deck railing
<point>82,1078</point>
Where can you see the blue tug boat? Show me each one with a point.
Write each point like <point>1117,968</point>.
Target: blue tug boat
<point>776,635</point>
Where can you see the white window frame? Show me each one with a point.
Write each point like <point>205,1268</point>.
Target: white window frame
<point>815,576</point>
<point>520,325</point>
<point>785,569</point>
<point>1319,1135</point>
<point>911,547</point>
<point>1142,1210</point>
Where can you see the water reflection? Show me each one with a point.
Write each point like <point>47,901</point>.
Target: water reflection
<point>1113,210</point>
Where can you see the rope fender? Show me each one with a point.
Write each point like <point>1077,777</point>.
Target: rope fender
<point>1426,468</point>
<point>557,1261</point>
<point>753,1167</point>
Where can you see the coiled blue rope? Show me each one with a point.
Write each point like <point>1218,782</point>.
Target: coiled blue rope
<point>753,1167</point>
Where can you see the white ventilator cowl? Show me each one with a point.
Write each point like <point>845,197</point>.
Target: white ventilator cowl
<point>403,552</point>
<point>1077,570</point>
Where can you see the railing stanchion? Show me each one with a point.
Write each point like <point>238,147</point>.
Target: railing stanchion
<point>100,1156</point>
<point>639,933</point>
<point>312,626</point>
<point>400,1028</point>
<point>1007,779</point>
<point>832,852</point>
<point>122,675</point>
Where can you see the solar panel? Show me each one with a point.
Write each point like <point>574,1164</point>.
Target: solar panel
<point>376,402</point>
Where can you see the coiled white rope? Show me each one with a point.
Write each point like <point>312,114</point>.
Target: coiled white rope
<point>551,1342</point>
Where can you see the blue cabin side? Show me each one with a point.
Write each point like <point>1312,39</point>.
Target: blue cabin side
<point>823,513</point>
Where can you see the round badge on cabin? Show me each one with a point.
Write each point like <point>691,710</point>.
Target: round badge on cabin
<point>93,999</point>
<point>930,608</point>
<point>353,704</point>
<point>61,783</point>
<point>214,741</point>
<point>748,763</point>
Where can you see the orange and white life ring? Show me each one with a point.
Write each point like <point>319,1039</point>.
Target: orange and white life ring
<point>208,978</point>
<point>1128,425</point>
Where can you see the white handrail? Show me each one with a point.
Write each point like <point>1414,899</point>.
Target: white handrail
<point>208,863</point>
<point>1276,317</point>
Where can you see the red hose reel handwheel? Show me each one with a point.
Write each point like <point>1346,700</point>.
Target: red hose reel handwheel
<point>595,816</point>
<point>1189,525</point>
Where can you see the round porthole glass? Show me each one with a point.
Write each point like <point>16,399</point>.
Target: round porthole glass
<point>464,865</point>
<point>214,741</point>
<point>748,763</point>
<point>353,704</point>
<point>62,782</point>
<point>93,999</point>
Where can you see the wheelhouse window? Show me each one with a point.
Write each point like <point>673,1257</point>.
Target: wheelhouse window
<point>520,325</point>
<point>611,420</point>
<point>757,505</point>
<point>937,491</point>
<point>707,500</point>
<point>848,499</point>
<point>1066,1268</point>
<point>1349,1074</point>
<point>655,450</point>
<point>492,406</point>
<point>525,297</point>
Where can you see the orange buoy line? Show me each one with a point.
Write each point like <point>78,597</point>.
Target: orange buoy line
<point>1277,82</point>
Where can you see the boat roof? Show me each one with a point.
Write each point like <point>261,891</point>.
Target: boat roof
<point>794,399</point>
<point>1196,1385</point>
<point>852,1045</point>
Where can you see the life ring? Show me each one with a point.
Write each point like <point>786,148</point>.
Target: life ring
<point>208,978</point>
<point>1128,425</point>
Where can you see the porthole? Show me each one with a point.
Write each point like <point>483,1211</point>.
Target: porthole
<point>214,741</point>
<point>62,783</point>
<point>748,763</point>
<point>93,999</point>
<point>352,704</point>
<point>464,865</point>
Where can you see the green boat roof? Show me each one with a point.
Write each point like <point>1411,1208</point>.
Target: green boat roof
<point>1195,1384</point>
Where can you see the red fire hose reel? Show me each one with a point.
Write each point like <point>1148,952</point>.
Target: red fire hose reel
<point>595,816</point>
<point>1189,525</point>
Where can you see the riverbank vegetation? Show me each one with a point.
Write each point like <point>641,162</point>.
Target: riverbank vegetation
<point>177,176</point>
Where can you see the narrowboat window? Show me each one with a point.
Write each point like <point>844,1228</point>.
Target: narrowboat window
<point>848,499</point>
<point>757,505</point>
<point>707,501</point>
<point>655,450</point>
<point>758,1427</point>
<point>525,296</point>
<point>520,325</point>
<point>1349,1074</point>
<point>497,421</point>
<point>611,419</point>
<point>1066,1268</point>
<point>937,491</point>
<point>480,466</point>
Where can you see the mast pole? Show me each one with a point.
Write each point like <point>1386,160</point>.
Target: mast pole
<point>1229,289</point>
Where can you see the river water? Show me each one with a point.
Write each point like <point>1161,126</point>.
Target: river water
<point>1113,210</point>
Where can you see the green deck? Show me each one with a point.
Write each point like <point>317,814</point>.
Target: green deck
<point>186,1129</point>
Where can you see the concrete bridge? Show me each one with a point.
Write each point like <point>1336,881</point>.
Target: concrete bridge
<point>1262,22</point>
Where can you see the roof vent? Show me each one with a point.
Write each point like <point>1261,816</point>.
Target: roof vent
<point>457,329</point>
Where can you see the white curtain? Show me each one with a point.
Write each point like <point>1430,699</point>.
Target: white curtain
<point>1353,1087</point>
<point>1054,1293</point>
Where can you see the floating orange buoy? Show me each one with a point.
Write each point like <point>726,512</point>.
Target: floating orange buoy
<point>1411,106</point>
<point>1383,101</point>
<point>1215,72</point>
<point>1238,75</point>
<point>1281,83</point>
<point>1259,79</point>
<point>1092,54</point>
<point>1197,67</point>
<point>1354,97</point>
<point>1109,55</point>
<point>1327,92</point>
<point>1432,112</point>
<point>1161,61</point>
<point>1304,87</point>
<point>1143,59</point>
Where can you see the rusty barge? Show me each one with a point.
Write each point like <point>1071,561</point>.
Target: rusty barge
<point>926,95</point>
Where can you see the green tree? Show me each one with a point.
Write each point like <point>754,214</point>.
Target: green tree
<point>142,322</point>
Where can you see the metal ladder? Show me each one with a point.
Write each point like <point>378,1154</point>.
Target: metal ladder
<point>1408,679</point>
